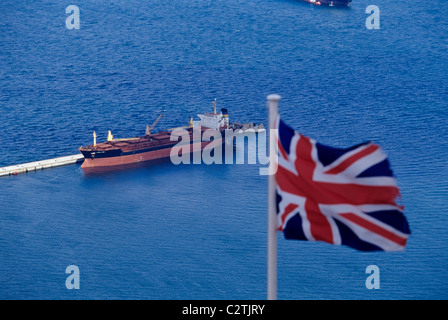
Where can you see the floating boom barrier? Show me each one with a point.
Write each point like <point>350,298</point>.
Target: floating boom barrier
<point>40,165</point>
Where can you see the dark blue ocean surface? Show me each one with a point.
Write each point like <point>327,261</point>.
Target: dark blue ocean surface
<point>199,231</point>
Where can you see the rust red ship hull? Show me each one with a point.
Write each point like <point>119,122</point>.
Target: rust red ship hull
<point>147,156</point>
<point>135,150</point>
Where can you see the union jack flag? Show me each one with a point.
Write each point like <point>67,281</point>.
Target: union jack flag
<point>340,196</point>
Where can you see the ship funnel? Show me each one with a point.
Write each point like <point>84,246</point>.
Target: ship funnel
<point>224,112</point>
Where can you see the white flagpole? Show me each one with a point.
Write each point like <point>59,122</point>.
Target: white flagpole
<point>272,104</point>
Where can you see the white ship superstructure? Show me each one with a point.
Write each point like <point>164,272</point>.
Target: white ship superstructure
<point>213,120</point>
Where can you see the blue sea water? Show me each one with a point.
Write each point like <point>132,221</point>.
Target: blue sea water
<point>199,231</point>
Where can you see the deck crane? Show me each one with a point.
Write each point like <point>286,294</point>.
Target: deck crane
<point>150,128</point>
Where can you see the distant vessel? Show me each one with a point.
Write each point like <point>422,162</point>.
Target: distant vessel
<point>151,146</point>
<point>331,3</point>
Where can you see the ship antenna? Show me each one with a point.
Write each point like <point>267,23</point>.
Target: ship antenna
<point>214,106</point>
<point>94,138</point>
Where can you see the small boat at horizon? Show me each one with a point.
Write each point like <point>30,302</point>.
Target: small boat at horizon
<point>330,3</point>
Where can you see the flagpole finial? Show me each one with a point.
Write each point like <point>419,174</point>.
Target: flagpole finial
<point>274,97</point>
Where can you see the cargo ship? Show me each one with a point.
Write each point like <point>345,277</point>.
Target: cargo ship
<point>151,146</point>
<point>331,3</point>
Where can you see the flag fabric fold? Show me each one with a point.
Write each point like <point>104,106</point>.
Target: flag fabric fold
<point>339,196</point>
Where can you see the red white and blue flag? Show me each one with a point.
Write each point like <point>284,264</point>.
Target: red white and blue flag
<point>340,196</point>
